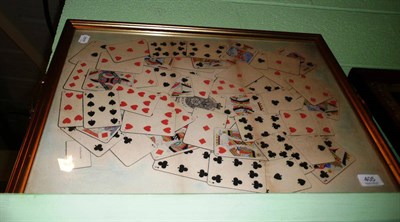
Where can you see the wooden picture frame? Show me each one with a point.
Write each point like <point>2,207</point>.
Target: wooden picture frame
<point>36,145</point>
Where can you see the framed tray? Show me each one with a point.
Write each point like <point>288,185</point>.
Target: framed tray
<point>143,108</point>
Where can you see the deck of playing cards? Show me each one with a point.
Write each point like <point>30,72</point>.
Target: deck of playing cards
<point>225,114</point>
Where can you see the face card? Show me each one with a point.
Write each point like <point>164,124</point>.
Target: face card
<point>313,148</point>
<point>208,50</point>
<point>130,66</point>
<point>90,53</point>
<point>167,48</point>
<point>214,103</point>
<point>245,104</point>
<point>183,87</point>
<point>147,78</point>
<point>313,90</point>
<point>256,126</point>
<point>77,76</point>
<point>81,157</point>
<point>201,131</point>
<point>263,85</point>
<point>164,63</point>
<point>280,100</point>
<point>137,100</point>
<point>101,109</point>
<point>93,145</point>
<point>260,60</point>
<point>238,174</point>
<point>239,51</point>
<point>132,148</point>
<point>326,172</point>
<point>71,109</point>
<point>283,175</point>
<point>240,73</point>
<point>128,50</point>
<point>278,146</point>
<point>103,134</point>
<point>229,143</point>
<point>305,64</point>
<point>105,80</point>
<point>278,77</point>
<point>191,164</point>
<point>222,86</point>
<point>170,145</point>
<point>283,63</point>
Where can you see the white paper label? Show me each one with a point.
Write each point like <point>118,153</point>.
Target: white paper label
<point>370,180</point>
<point>84,39</point>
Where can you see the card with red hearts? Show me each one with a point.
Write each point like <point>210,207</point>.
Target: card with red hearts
<point>314,90</point>
<point>137,100</point>
<point>121,52</point>
<point>240,73</point>
<point>90,53</point>
<point>304,122</point>
<point>77,76</point>
<point>223,86</point>
<point>71,109</point>
<point>130,66</point>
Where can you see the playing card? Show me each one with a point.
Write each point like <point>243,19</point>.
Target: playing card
<point>101,109</point>
<point>313,148</point>
<point>213,102</point>
<point>330,107</point>
<point>303,122</point>
<point>103,134</point>
<point>260,60</point>
<point>166,79</point>
<point>239,174</point>
<point>222,86</point>
<point>262,85</point>
<point>147,78</point>
<point>132,147</point>
<point>278,146</point>
<point>80,156</point>
<point>201,131</point>
<point>164,63</point>
<point>90,53</point>
<point>77,76</point>
<point>93,145</point>
<point>256,126</point>
<point>244,104</point>
<point>184,63</point>
<point>201,86</point>
<point>105,80</point>
<point>229,143</point>
<point>183,87</point>
<point>191,164</point>
<point>313,90</point>
<point>170,145</point>
<point>240,73</point>
<point>280,100</point>
<point>326,172</point>
<point>278,77</point>
<point>167,48</point>
<point>283,63</point>
<point>162,122</point>
<point>71,110</point>
<point>130,66</point>
<point>305,64</point>
<point>283,175</point>
<point>183,117</point>
<point>203,49</point>
<point>239,51</point>
<point>121,52</point>
<point>209,64</point>
<point>137,100</point>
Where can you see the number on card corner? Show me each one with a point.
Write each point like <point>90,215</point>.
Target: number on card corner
<point>84,39</point>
